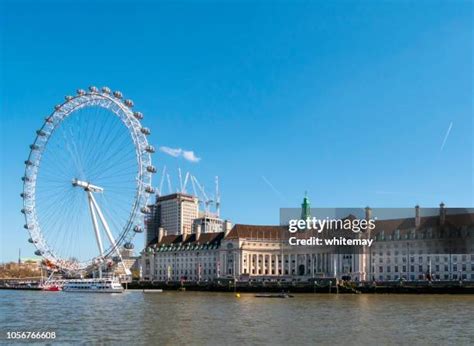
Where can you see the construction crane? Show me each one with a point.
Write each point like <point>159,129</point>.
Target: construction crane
<point>186,178</point>
<point>206,200</point>
<point>170,189</point>
<point>160,189</point>
<point>198,190</point>
<point>218,198</point>
<point>180,177</point>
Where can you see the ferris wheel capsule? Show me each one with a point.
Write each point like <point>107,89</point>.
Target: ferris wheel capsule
<point>118,94</point>
<point>81,92</point>
<point>128,103</point>
<point>25,226</point>
<point>93,89</point>
<point>129,246</point>
<point>145,210</point>
<point>34,146</point>
<point>28,163</point>
<point>68,97</point>
<point>145,130</point>
<point>41,133</point>
<point>138,115</point>
<point>106,90</point>
<point>39,253</point>
<point>30,240</point>
<point>137,229</point>
<point>48,119</point>
<point>151,169</point>
<point>150,149</point>
<point>150,189</point>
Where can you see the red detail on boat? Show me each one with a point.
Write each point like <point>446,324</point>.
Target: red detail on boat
<point>52,288</point>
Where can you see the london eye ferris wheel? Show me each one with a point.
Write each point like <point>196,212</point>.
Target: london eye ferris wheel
<point>87,180</point>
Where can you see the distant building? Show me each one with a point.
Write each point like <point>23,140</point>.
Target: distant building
<point>403,249</point>
<point>28,267</point>
<point>129,260</point>
<point>174,213</point>
<point>152,223</point>
<point>177,257</point>
<point>25,263</point>
<point>211,224</point>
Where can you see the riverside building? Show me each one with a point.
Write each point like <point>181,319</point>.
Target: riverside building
<point>182,257</point>
<point>438,247</point>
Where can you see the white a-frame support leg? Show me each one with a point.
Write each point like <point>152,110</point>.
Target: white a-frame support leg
<point>94,223</point>
<point>107,231</point>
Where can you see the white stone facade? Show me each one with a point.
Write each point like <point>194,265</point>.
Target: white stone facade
<point>250,252</point>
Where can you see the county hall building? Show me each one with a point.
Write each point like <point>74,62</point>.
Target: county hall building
<point>438,247</point>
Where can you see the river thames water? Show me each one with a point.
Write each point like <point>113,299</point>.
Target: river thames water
<point>171,318</point>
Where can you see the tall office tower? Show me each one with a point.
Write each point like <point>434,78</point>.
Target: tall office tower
<point>152,223</point>
<point>176,213</point>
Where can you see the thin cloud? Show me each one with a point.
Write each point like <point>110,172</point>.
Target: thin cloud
<point>278,193</point>
<point>178,152</point>
<point>446,136</point>
<point>190,156</point>
<point>171,151</point>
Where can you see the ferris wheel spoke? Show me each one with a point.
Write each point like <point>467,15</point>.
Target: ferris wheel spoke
<point>114,161</point>
<point>113,158</point>
<point>54,169</point>
<point>64,230</point>
<point>106,130</point>
<point>92,140</point>
<point>56,164</point>
<point>63,227</point>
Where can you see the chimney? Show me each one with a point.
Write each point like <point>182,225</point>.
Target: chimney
<point>198,232</point>
<point>442,214</point>
<point>417,216</point>
<point>227,227</point>
<point>161,233</point>
<point>368,213</point>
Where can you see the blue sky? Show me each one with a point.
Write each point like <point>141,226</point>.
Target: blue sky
<point>350,101</point>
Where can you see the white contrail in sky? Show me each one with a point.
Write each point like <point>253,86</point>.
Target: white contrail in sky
<point>446,136</point>
<point>272,187</point>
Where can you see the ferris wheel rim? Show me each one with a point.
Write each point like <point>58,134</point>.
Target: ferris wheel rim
<point>114,103</point>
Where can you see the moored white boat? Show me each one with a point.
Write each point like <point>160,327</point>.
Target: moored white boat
<point>104,285</point>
